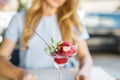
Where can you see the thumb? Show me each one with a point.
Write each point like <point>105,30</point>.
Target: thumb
<point>77,77</point>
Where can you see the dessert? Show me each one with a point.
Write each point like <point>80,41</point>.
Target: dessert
<point>61,51</point>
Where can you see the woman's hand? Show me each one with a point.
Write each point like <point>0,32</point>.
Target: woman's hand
<point>26,76</point>
<point>85,60</point>
<point>81,77</point>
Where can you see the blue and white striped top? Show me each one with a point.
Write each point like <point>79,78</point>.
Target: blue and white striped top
<point>35,57</point>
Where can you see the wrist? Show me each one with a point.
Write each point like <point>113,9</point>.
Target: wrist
<point>82,76</point>
<point>84,73</point>
<point>21,74</point>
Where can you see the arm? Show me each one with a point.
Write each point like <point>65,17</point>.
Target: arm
<point>85,60</point>
<point>6,68</point>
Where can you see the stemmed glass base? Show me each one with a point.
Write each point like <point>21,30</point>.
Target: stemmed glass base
<point>60,63</point>
<point>60,67</point>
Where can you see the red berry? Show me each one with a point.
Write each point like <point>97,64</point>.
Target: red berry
<point>60,60</point>
<point>71,52</point>
<point>66,49</point>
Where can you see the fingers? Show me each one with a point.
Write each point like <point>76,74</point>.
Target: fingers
<point>80,77</point>
<point>30,77</point>
<point>34,77</point>
<point>25,75</point>
<point>77,78</point>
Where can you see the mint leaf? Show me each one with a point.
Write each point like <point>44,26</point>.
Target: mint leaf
<point>52,49</point>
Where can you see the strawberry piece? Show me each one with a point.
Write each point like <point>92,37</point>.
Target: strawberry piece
<point>71,52</point>
<point>60,60</point>
<point>66,49</point>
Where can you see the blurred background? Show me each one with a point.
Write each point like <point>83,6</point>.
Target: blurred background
<point>102,19</point>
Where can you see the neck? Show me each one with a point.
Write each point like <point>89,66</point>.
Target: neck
<point>48,10</point>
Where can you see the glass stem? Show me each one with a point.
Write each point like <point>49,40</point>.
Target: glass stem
<point>60,74</point>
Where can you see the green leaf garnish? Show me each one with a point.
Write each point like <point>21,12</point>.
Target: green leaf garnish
<point>52,48</point>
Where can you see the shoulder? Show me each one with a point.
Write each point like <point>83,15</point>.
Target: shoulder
<point>19,17</point>
<point>21,14</point>
<point>17,21</point>
<point>84,34</point>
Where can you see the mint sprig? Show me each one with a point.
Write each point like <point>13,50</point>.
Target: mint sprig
<point>52,49</point>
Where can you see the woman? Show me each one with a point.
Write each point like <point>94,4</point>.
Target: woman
<point>55,19</point>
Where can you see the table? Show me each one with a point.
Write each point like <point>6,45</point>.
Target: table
<point>68,74</point>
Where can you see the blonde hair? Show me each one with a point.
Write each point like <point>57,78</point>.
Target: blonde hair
<point>67,19</point>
